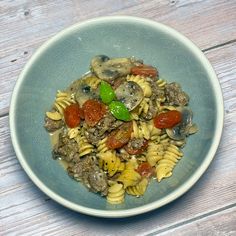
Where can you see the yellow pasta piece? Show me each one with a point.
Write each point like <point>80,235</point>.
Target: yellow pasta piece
<point>138,189</point>
<point>141,130</point>
<point>143,107</point>
<point>134,115</point>
<point>101,146</point>
<point>164,139</point>
<point>131,164</point>
<point>111,163</point>
<point>155,152</point>
<point>129,177</point>
<point>73,132</point>
<point>116,194</point>
<point>163,171</point>
<point>161,83</point>
<point>154,132</point>
<point>84,146</point>
<point>54,115</point>
<point>63,100</point>
<point>166,165</point>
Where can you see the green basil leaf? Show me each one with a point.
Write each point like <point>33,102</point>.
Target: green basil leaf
<point>119,110</point>
<point>106,92</point>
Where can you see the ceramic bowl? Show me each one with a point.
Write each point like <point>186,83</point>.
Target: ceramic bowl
<point>65,58</point>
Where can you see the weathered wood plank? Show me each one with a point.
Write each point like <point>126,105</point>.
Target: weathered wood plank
<point>27,211</point>
<point>27,24</point>
<point>222,223</point>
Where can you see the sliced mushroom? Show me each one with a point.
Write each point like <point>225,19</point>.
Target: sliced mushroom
<point>185,128</point>
<point>129,93</point>
<point>83,91</point>
<point>109,69</point>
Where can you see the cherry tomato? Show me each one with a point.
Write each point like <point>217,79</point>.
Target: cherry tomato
<point>93,111</point>
<point>72,115</point>
<point>167,119</point>
<point>144,70</point>
<point>145,169</point>
<point>133,151</point>
<point>119,137</point>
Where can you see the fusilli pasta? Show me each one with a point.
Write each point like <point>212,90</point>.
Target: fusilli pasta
<point>129,177</point>
<point>63,99</point>
<point>155,152</point>
<point>116,194</point>
<point>166,165</point>
<point>84,146</point>
<point>111,163</point>
<point>138,189</point>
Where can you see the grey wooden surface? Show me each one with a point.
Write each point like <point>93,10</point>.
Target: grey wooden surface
<point>209,208</point>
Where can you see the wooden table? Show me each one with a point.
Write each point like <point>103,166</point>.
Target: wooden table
<point>209,208</point>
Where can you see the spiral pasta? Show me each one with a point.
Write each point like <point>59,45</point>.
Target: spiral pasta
<point>142,82</point>
<point>84,146</point>
<point>129,177</point>
<point>155,152</point>
<point>141,130</point>
<point>101,145</point>
<point>154,132</point>
<point>166,165</point>
<point>63,99</point>
<point>111,163</point>
<point>138,189</point>
<point>161,83</point>
<point>164,139</point>
<point>116,194</point>
<point>73,132</point>
<point>143,106</point>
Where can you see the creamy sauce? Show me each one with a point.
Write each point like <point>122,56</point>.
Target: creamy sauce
<point>63,163</point>
<point>54,138</point>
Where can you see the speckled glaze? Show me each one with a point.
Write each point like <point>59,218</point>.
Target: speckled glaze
<point>65,58</point>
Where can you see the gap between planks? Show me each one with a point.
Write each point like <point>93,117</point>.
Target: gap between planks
<point>200,217</point>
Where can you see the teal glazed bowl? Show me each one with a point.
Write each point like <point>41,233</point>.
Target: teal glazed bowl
<point>65,58</point>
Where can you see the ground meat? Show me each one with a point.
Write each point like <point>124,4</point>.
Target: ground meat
<point>175,95</point>
<point>88,172</point>
<point>136,143</point>
<point>66,148</point>
<point>52,125</point>
<point>106,124</point>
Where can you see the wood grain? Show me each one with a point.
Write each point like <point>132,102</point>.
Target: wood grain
<point>25,25</point>
<point>222,223</point>
<point>27,211</point>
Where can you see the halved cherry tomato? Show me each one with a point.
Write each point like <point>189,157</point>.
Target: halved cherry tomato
<point>144,70</point>
<point>72,115</point>
<point>133,151</point>
<point>167,119</point>
<point>145,169</point>
<point>119,137</point>
<point>93,111</point>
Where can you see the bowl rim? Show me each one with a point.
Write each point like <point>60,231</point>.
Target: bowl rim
<point>156,204</point>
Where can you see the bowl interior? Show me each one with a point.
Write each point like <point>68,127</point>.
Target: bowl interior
<point>66,57</point>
